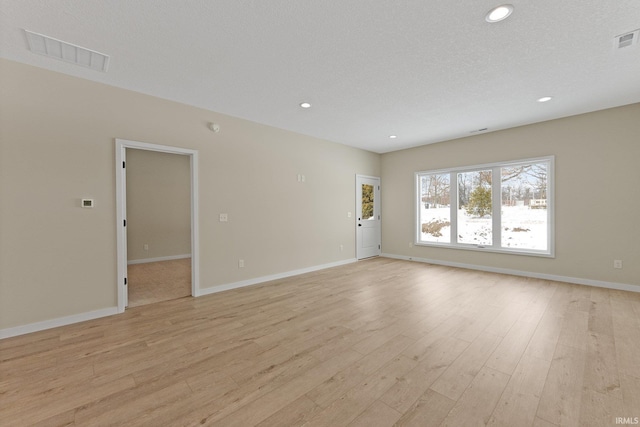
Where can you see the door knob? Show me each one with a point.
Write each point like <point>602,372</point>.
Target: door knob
<point>359,225</point>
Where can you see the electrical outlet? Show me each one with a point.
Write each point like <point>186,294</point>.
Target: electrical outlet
<point>348,214</point>
<point>410,244</point>
<point>617,263</point>
<point>240,263</point>
<point>341,248</point>
<point>224,217</point>
<point>145,247</point>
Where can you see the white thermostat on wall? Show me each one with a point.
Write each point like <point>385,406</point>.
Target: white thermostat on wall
<point>87,203</point>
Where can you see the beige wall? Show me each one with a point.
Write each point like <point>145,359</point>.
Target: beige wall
<point>57,146</point>
<point>597,193</point>
<point>158,204</point>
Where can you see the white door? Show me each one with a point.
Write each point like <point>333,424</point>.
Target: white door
<point>367,216</point>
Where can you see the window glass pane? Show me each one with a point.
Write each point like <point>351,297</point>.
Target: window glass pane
<point>474,208</point>
<point>367,201</point>
<point>435,213</point>
<point>524,218</point>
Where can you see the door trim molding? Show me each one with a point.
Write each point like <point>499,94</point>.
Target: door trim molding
<point>121,212</point>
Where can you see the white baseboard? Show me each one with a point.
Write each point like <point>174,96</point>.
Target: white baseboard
<point>76,318</point>
<point>162,258</point>
<point>54,323</point>
<point>258,280</point>
<point>575,280</point>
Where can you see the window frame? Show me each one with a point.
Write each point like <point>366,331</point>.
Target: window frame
<point>496,215</point>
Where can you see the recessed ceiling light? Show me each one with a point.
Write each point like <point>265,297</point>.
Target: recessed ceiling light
<point>393,136</point>
<point>499,13</point>
<point>545,99</point>
<point>305,105</point>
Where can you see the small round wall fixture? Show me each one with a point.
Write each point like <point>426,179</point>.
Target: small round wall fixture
<point>214,127</point>
<point>499,13</point>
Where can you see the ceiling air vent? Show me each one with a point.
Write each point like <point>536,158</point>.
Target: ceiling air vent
<point>47,46</point>
<point>627,39</point>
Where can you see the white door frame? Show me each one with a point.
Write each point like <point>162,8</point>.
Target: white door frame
<point>377,210</point>
<point>121,213</point>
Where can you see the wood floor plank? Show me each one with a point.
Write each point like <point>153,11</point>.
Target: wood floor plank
<point>630,396</point>
<point>473,326</point>
<point>580,299</point>
<point>346,379</point>
<point>296,413</point>
<point>63,419</point>
<point>429,410</point>
<point>409,387</point>
<point>601,365</point>
<point>506,319</point>
<point>626,331</point>
<point>420,347</point>
<point>544,340</point>
<point>539,422</point>
<point>598,409</point>
<point>519,401</point>
<point>574,329</point>
<point>118,408</point>
<point>600,316</point>
<point>562,394</point>
<point>351,404</point>
<point>53,402</point>
<point>377,414</point>
<point>377,342</point>
<point>479,400</point>
<point>265,406</point>
<point>158,281</point>
<point>213,397</point>
<point>506,356</point>
<point>457,377</point>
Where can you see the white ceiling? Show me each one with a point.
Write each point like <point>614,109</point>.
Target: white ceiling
<point>425,70</point>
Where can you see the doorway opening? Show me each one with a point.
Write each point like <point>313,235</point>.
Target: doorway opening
<point>157,239</point>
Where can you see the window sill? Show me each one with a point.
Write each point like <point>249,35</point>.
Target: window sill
<point>529,252</point>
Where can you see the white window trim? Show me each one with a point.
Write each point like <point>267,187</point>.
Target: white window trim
<point>496,201</point>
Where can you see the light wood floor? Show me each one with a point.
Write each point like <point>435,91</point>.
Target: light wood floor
<point>376,343</point>
<point>158,281</point>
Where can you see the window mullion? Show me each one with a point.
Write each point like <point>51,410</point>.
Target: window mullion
<point>496,206</point>
<point>453,206</point>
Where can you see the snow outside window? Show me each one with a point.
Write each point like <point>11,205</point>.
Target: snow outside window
<point>500,207</point>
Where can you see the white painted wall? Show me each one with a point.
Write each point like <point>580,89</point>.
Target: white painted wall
<point>57,135</point>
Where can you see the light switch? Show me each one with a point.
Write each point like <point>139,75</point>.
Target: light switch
<point>224,217</point>
<point>348,214</point>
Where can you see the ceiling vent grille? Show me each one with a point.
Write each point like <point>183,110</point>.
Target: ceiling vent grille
<point>53,48</point>
<point>627,39</point>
